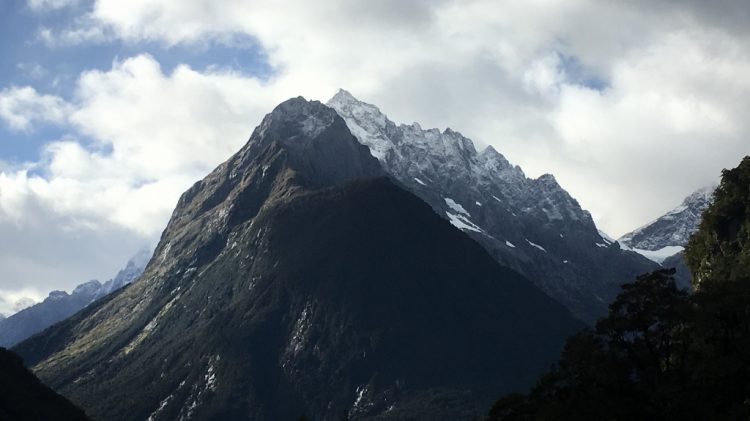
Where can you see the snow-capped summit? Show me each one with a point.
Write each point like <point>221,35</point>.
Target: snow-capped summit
<point>531,225</point>
<point>669,234</point>
<point>372,125</point>
<point>128,274</point>
<point>411,153</point>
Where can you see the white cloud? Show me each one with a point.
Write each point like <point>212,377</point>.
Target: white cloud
<point>150,135</point>
<point>665,119</point>
<point>44,5</point>
<point>14,301</point>
<point>33,70</point>
<point>20,107</point>
<point>82,33</point>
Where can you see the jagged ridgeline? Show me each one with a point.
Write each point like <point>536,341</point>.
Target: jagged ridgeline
<point>296,279</point>
<point>531,225</point>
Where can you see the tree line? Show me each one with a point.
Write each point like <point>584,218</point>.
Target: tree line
<point>663,353</point>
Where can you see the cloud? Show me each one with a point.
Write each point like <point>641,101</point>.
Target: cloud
<point>82,33</point>
<point>621,101</point>
<point>13,302</point>
<point>137,139</point>
<point>632,106</point>
<point>33,70</point>
<point>45,5</point>
<point>20,107</point>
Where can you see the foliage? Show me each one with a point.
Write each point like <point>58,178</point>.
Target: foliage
<point>720,249</point>
<point>662,354</point>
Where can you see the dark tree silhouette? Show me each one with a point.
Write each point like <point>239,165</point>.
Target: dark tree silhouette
<point>662,354</point>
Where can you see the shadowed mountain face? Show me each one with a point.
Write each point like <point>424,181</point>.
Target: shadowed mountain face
<point>23,397</point>
<point>295,279</point>
<point>531,225</point>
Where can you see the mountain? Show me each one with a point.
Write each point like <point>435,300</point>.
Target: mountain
<point>24,398</point>
<point>668,235</point>
<point>60,305</point>
<point>531,225</point>
<point>296,279</point>
<point>664,239</point>
<point>663,353</point>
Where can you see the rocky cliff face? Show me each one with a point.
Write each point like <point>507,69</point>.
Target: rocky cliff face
<point>295,279</point>
<point>531,225</point>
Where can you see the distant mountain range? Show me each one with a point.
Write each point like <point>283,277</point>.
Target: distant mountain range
<point>297,279</point>
<point>531,225</point>
<point>60,305</point>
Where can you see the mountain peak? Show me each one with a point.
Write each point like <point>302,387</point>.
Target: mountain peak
<point>342,95</point>
<point>87,287</point>
<point>703,194</point>
<point>547,178</point>
<point>295,106</point>
<point>298,117</point>
<point>56,295</point>
<point>669,233</point>
<point>288,282</point>
<point>523,221</point>
<point>490,156</point>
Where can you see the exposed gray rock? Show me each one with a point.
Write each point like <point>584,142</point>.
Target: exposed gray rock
<point>673,228</point>
<point>664,239</point>
<point>296,279</point>
<point>531,225</point>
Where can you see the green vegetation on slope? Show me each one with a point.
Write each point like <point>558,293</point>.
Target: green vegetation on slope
<point>662,354</point>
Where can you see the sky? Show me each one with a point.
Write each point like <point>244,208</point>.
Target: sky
<point>109,110</point>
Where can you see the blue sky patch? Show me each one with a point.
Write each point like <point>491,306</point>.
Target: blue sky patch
<point>27,60</point>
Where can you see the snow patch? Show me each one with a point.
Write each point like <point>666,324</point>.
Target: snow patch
<point>361,404</point>
<point>199,390</point>
<point>657,256</point>
<point>419,181</point>
<point>509,244</point>
<point>461,222</point>
<point>152,324</point>
<point>163,404</point>
<point>607,239</point>
<point>535,245</point>
<point>455,206</point>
